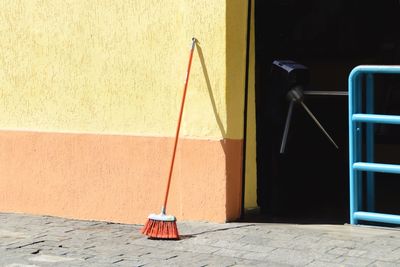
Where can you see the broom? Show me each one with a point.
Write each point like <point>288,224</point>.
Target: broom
<point>162,226</point>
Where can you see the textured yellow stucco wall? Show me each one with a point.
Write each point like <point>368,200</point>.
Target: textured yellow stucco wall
<point>118,67</point>
<point>113,66</point>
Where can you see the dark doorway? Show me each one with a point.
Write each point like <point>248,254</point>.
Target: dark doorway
<point>309,182</point>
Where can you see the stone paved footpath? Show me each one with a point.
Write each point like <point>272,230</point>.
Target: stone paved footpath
<point>30,241</point>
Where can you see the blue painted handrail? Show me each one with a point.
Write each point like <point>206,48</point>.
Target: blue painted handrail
<point>375,118</point>
<point>376,167</point>
<point>356,117</point>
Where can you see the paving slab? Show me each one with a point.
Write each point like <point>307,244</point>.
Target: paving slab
<point>30,241</point>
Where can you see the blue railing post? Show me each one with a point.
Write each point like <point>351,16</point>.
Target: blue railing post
<point>352,149</point>
<point>370,140</point>
<point>358,141</point>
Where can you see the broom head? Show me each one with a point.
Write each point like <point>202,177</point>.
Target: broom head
<point>161,226</point>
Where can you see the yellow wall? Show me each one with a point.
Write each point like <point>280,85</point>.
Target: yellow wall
<point>114,71</point>
<point>112,66</point>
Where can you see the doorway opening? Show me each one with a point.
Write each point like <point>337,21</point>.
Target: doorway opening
<point>309,181</point>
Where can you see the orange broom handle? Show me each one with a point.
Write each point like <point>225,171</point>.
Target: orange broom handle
<point>179,125</point>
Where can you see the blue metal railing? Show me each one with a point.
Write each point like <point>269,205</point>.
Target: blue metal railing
<point>356,118</point>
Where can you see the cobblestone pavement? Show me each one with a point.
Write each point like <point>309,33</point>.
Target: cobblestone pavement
<point>29,241</point>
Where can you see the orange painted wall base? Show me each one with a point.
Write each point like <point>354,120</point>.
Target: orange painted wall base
<point>118,178</point>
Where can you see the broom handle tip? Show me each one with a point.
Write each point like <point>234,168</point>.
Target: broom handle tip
<point>194,41</point>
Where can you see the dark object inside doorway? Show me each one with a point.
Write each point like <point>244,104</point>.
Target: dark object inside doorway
<point>309,182</point>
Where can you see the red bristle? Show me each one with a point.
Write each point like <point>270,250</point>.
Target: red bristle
<point>160,229</point>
